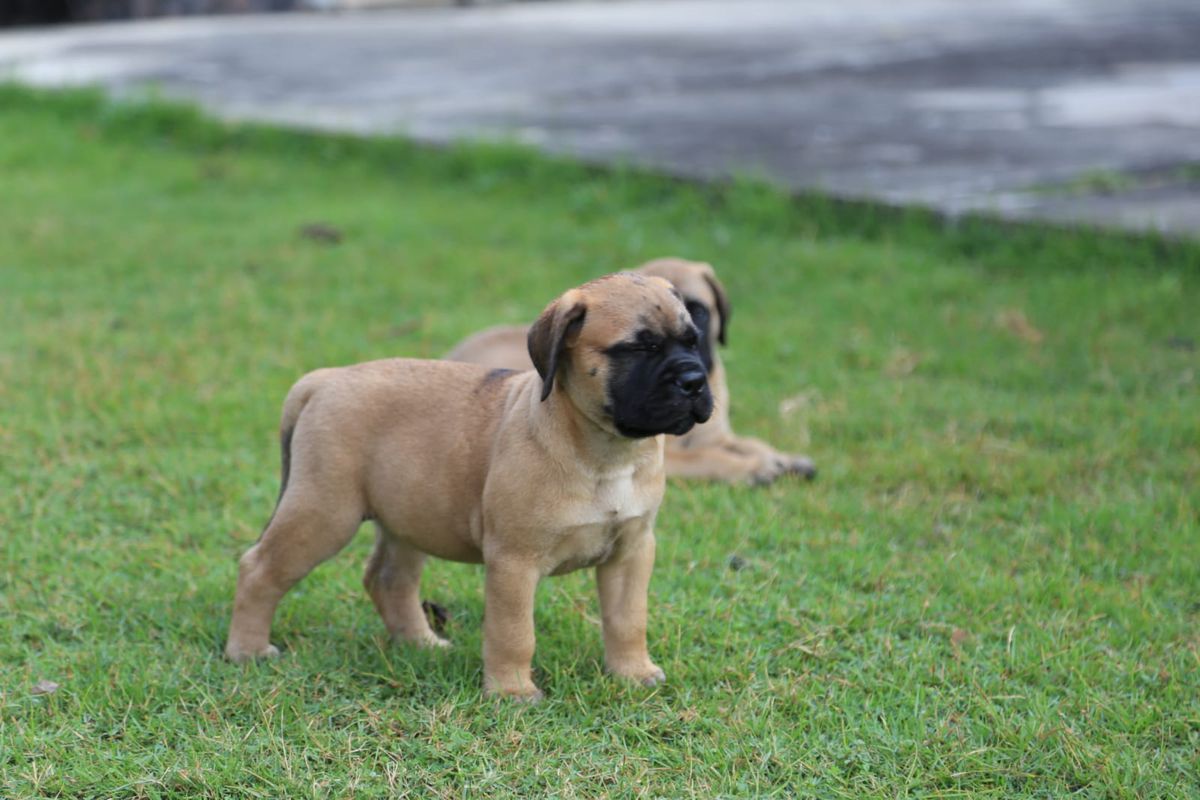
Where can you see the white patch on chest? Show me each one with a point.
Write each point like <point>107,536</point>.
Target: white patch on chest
<point>594,530</point>
<point>616,498</point>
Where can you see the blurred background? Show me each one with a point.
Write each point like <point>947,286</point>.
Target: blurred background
<point>1060,110</point>
<point>1064,110</point>
<point>33,12</point>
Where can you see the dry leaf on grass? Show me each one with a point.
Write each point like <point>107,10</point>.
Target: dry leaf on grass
<point>321,232</point>
<point>44,687</point>
<point>797,402</point>
<point>902,363</point>
<point>1015,322</point>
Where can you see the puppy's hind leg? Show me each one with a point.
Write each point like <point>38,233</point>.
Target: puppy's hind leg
<point>299,537</point>
<point>393,579</point>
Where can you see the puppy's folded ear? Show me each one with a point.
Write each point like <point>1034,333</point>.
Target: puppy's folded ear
<point>723,309</point>
<point>555,330</point>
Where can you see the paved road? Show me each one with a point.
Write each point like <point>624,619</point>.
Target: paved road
<point>1061,109</point>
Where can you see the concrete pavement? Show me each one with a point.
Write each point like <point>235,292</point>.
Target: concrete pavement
<point>1058,109</point>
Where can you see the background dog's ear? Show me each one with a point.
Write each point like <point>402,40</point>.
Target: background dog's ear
<point>556,328</point>
<point>723,309</point>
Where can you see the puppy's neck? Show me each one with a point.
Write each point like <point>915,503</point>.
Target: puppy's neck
<point>589,441</point>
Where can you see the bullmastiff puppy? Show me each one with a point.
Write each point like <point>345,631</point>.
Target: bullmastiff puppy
<point>531,473</point>
<point>711,450</point>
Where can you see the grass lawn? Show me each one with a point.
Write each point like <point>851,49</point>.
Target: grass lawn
<point>993,588</point>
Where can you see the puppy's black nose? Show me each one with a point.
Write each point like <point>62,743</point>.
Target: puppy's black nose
<point>692,381</point>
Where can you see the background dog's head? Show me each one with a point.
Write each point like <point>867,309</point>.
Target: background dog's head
<point>703,295</point>
<point>626,351</point>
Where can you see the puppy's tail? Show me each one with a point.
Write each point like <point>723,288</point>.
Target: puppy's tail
<point>293,405</point>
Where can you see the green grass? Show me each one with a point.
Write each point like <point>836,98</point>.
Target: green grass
<point>992,590</point>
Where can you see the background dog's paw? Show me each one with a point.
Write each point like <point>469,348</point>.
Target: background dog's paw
<point>240,655</point>
<point>767,471</point>
<point>762,477</point>
<point>801,466</point>
<point>778,465</point>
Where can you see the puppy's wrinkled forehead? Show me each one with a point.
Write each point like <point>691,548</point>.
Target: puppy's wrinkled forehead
<point>622,305</point>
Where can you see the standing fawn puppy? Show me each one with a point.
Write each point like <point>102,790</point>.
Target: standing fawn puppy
<point>531,473</point>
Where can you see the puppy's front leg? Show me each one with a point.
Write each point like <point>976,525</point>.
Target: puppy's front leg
<point>508,637</point>
<point>624,583</point>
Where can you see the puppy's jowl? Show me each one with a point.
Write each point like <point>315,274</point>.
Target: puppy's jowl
<point>532,474</point>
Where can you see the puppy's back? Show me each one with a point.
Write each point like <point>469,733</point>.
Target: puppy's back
<point>407,441</point>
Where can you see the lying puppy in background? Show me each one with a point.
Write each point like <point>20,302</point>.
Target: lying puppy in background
<point>531,473</point>
<point>711,450</point>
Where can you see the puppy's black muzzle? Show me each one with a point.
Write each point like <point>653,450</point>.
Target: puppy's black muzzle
<point>691,381</point>
<point>663,390</point>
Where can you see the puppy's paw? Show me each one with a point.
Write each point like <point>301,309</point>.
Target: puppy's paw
<point>419,638</point>
<point>654,678</point>
<point>433,640</point>
<point>646,673</point>
<point>240,654</point>
<point>520,693</point>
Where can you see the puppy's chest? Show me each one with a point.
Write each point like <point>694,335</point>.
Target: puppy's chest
<point>593,529</point>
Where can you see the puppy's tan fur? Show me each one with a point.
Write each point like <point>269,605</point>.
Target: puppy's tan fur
<point>711,450</point>
<point>471,464</point>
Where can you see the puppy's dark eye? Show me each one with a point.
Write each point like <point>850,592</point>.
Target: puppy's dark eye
<point>648,342</point>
